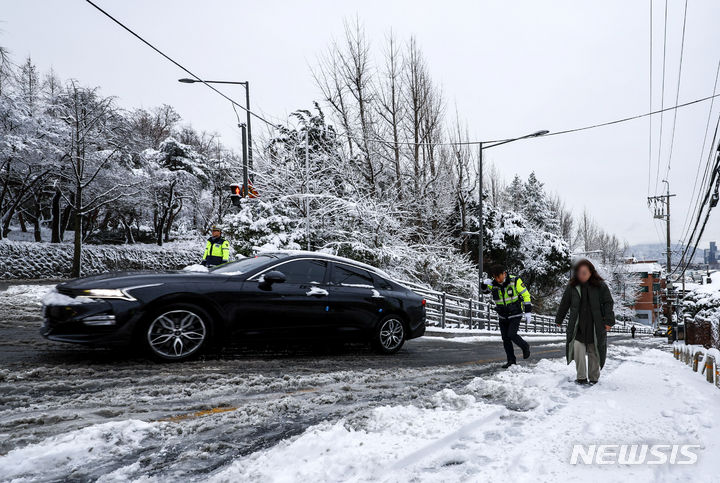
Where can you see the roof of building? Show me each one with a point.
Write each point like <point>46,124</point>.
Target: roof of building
<point>643,266</point>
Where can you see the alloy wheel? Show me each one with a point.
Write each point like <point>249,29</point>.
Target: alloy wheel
<point>176,334</point>
<point>391,334</point>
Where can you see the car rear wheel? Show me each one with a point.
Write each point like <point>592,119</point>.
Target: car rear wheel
<point>177,333</point>
<point>389,336</point>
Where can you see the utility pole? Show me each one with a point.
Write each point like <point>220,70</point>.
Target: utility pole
<point>249,132</point>
<point>246,85</point>
<point>481,147</point>
<point>245,159</point>
<point>480,220</point>
<point>661,211</point>
<point>307,185</point>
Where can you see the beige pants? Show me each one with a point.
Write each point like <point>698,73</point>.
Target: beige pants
<point>592,368</point>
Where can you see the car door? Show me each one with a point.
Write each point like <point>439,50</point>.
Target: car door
<point>355,303</point>
<point>294,308</point>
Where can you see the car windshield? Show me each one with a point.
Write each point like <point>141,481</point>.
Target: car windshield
<point>245,265</point>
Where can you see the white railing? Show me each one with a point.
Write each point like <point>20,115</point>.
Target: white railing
<point>451,311</point>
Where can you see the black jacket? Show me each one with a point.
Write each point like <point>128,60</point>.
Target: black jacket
<point>601,308</point>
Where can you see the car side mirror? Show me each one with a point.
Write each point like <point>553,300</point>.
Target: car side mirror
<point>268,279</point>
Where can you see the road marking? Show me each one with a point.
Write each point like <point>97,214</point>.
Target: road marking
<point>225,409</point>
<point>197,414</point>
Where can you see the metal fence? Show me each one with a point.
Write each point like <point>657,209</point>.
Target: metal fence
<point>451,311</point>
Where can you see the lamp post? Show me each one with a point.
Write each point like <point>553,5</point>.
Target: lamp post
<point>245,84</point>
<point>481,148</point>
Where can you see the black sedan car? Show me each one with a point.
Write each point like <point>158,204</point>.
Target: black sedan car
<point>279,295</point>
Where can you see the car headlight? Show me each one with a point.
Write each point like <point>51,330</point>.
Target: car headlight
<point>107,293</point>
<point>114,293</point>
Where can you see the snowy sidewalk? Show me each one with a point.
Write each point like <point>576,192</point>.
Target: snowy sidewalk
<point>518,425</point>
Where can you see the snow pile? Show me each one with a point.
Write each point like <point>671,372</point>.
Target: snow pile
<point>517,425</point>
<point>195,267</point>
<point>54,260</point>
<point>31,294</point>
<point>55,298</point>
<point>61,456</point>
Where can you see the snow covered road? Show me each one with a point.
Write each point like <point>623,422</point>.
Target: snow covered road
<point>518,425</point>
<point>440,410</point>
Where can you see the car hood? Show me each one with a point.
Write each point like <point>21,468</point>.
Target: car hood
<point>134,279</point>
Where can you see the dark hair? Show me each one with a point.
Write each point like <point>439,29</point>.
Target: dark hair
<point>595,278</point>
<point>496,270</point>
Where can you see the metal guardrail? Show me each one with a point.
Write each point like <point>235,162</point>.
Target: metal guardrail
<point>451,311</point>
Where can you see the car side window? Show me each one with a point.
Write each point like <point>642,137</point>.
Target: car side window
<point>303,271</point>
<point>347,276</point>
<point>383,284</point>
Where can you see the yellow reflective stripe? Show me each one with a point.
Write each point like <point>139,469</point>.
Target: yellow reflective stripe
<point>217,250</point>
<point>522,290</point>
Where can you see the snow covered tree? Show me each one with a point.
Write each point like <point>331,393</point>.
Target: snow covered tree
<point>263,225</point>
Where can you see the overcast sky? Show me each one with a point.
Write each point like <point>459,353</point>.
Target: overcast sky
<point>509,67</point>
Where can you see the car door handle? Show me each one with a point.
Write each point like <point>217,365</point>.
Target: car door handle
<point>317,292</point>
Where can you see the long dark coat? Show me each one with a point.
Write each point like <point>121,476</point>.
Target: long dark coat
<point>601,307</point>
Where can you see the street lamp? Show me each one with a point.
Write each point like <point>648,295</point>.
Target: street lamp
<point>482,147</point>
<point>245,84</point>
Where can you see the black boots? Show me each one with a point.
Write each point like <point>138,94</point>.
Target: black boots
<point>507,364</point>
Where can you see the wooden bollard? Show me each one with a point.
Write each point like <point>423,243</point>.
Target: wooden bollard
<point>695,362</point>
<point>709,373</point>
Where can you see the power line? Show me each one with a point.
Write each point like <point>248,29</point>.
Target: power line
<point>385,141</point>
<point>677,92</point>
<point>650,93</point>
<point>712,181</point>
<point>688,217</point>
<point>632,118</point>
<point>662,99</point>
<point>137,36</point>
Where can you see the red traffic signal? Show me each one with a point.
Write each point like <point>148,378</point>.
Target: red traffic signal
<point>236,192</point>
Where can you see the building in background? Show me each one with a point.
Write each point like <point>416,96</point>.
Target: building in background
<point>649,301</point>
<point>711,256</point>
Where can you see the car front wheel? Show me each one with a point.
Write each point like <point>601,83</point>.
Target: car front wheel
<point>389,336</point>
<point>177,333</point>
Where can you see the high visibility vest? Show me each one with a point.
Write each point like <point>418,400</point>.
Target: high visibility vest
<point>217,251</point>
<point>511,297</point>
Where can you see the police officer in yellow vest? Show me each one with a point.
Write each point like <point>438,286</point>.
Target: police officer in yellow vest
<point>217,249</point>
<point>512,303</point>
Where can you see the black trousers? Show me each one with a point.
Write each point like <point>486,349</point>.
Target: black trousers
<point>509,332</point>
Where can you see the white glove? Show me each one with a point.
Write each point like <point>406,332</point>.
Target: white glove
<point>528,317</point>
<point>488,281</point>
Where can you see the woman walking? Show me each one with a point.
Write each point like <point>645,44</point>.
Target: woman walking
<point>587,298</point>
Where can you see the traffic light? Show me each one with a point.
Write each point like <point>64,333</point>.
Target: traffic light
<point>235,194</point>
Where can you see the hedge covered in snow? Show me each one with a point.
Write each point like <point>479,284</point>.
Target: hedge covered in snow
<point>703,304</point>
<point>31,260</point>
